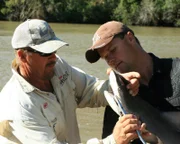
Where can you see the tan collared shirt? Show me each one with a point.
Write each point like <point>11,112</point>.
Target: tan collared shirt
<point>39,117</point>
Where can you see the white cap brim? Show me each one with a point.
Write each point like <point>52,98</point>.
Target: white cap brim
<point>49,46</point>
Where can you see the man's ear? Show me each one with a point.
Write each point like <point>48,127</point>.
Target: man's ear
<point>130,36</point>
<point>21,54</point>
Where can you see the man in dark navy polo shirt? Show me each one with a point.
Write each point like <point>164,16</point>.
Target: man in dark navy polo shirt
<point>160,78</point>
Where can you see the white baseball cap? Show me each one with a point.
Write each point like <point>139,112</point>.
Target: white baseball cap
<point>38,35</point>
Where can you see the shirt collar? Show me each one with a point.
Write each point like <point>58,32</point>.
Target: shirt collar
<point>156,64</point>
<point>26,86</point>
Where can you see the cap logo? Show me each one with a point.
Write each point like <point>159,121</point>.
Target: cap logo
<point>41,33</point>
<point>96,38</point>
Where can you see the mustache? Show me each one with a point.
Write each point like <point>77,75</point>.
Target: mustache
<point>51,63</point>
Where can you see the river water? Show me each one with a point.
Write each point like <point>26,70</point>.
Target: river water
<point>164,42</point>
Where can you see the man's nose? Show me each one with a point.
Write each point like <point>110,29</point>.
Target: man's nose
<point>53,56</point>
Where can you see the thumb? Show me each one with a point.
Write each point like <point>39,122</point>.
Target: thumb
<point>131,75</point>
<point>108,71</point>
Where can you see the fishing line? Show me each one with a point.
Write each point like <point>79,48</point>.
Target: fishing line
<point>123,113</point>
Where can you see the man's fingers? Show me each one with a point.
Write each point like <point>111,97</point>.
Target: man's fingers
<point>108,71</point>
<point>133,83</point>
<point>133,86</point>
<point>128,76</point>
<point>131,75</point>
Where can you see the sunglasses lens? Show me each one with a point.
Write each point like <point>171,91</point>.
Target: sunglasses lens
<point>46,55</point>
<point>40,53</point>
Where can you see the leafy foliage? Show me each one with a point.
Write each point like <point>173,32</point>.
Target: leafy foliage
<point>127,11</point>
<point>134,12</point>
<point>147,13</point>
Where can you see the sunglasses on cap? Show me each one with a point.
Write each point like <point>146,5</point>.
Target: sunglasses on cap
<point>40,53</point>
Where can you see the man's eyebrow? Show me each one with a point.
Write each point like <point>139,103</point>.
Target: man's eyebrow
<point>109,46</point>
<point>105,53</point>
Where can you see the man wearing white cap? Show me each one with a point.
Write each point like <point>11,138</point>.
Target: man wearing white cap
<point>38,104</point>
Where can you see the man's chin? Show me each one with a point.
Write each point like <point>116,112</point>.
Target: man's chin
<point>49,75</point>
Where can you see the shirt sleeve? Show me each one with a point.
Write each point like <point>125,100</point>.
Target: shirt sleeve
<point>42,135</point>
<point>33,134</point>
<point>89,89</point>
<point>107,140</point>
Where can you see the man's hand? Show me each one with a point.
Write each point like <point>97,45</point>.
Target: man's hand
<point>133,85</point>
<point>125,129</point>
<point>148,136</point>
<point>132,77</point>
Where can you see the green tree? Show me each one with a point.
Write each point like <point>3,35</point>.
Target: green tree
<point>127,11</point>
<point>132,12</point>
<point>171,12</point>
<point>99,11</point>
<point>56,10</point>
<point>148,13</point>
<point>24,9</point>
<point>74,10</point>
<point>11,9</point>
<point>2,5</point>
